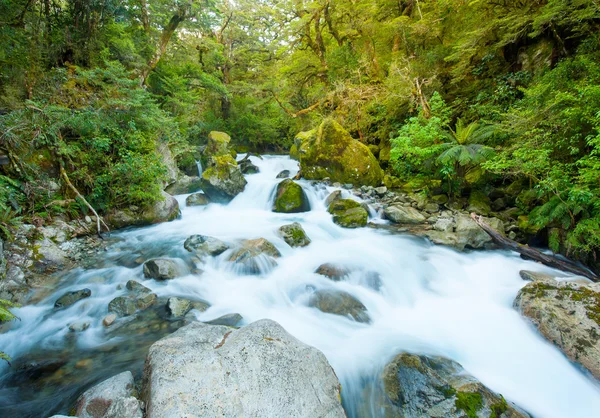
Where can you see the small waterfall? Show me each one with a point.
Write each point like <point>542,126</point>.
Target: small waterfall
<point>199,165</point>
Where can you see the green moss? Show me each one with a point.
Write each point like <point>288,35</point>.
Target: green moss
<point>290,198</point>
<point>469,402</point>
<point>499,408</point>
<point>294,154</point>
<point>348,213</point>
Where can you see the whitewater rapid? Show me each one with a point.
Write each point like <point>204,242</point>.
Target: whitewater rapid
<point>433,300</point>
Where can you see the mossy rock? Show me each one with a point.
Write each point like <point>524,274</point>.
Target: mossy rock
<point>218,144</point>
<point>348,213</point>
<point>526,226</point>
<point>294,154</point>
<point>330,151</point>
<point>294,235</point>
<point>290,198</point>
<point>223,180</point>
<point>479,203</point>
<point>186,162</point>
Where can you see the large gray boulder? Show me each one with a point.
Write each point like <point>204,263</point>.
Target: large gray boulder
<point>165,209</point>
<point>257,371</point>
<point>223,180</point>
<point>567,314</point>
<point>197,199</point>
<point>421,386</point>
<point>184,185</point>
<point>112,398</point>
<point>163,269</point>
<point>339,303</point>
<point>204,245</point>
<point>404,215</point>
<point>467,234</point>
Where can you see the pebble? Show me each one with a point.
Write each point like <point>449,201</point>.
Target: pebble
<point>109,320</point>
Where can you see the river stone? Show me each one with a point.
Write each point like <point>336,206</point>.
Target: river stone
<point>471,235</point>
<point>444,225</point>
<point>330,151</point>
<point>333,271</point>
<point>404,215</point>
<point>178,307</point>
<point>290,198</point>
<point>294,235</point>
<point>567,315</point>
<point>184,185</point>
<point>421,386</point>
<point>335,195</point>
<point>536,276</point>
<point>70,298</point>
<point>229,320</point>
<point>339,303</point>
<point>256,371</point>
<point>223,180</point>
<point>348,213</point>
<point>247,167</point>
<point>479,203</point>
<point>97,401</point>
<point>79,326</point>
<point>283,174</point>
<point>165,209</point>
<point>162,269</point>
<point>122,306</point>
<point>255,256</point>
<point>205,245</point>
<point>197,199</point>
<point>109,320</point>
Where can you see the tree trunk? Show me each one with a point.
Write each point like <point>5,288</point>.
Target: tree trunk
<point>144,16</point>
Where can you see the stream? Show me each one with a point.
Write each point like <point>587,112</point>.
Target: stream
<point>432,300</point>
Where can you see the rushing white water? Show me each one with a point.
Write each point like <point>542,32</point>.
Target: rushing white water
<point>433,300</point>
<point>199,165</point>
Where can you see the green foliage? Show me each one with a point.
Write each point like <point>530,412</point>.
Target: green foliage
<point>5,316</point>
<point>469,402</point>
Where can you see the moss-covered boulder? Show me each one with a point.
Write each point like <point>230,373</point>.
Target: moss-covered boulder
<point>294,235</point>
<point>330,151</point>
<point>290,198</point>
<point>421,386</point>
<point>348,213</point>
<point>479,203</point>
<point>223,180</point>
<point>218,144</point>
<point>294,155</point>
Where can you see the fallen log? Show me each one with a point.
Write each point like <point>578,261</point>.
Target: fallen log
<point>532,253</point>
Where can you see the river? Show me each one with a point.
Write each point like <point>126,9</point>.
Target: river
<point>432,300</point>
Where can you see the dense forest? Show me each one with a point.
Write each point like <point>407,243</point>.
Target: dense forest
<point>466,97</point>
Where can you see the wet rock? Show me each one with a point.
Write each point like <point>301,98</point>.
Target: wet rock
<point>71,298</point>
<point>339,303</point>
<point>294,235</point>
<point>178,307</point>
<point>247,167</point>
<point>536,276</point>
<point>197,199</point>
<point>122,306</point>
<point>162,269</point>
<point>444,225</point>
<point>109,320</point>
<point>184,185</point>
<point>283,174</point>
<point>229,320</point>
<point>290,198</point>
<point>381,191</point>
<point>333,271</point>
<point>165,209</point>
<point>223,179</point>
<point>204,245</point>
<point>97,401</point>
<point>404,215</point>
<point>471,235</point>
<point>330,151</point>
<point>255,256</point>
<point>136,287</point>
<point>124,408</point>
<point>421,386</point>
<point>257,371</point>
<point>566,314</point>
<point>335,195</point>
<point>79,326</point>
<point>348,213</point>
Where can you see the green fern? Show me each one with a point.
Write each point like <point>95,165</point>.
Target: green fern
<point>5,316</point>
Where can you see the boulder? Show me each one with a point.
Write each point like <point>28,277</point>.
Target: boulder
<point>71,298</point>
<point>256,371</point>
<point>101,400</point>
<point>247,167</point>
<point>566,314</point>
<point>335,195</point>
<point>421,386</point>
<point>294,235</point>
<point>165,209</point>
<point>229,320</point>
<point>109,319</point>
<point>184,185</point>
<point>333,271</point>
<point>217,145</point>
<point>444,225</point>
<point>162,269</point>
<point>283,174</point>
<point>169,163</point>
<point>471,235</point>
<point>330,151</point>
<point>223,180</point>
<point>255,256</point>
<point>348,213</point>
<point>294,153</point>
<point>339,303</point>
<point>178,307</point>
<point>479,203</point>
<point>122,306</point>
<point>404,215</point>
<point>204,245</point>
<point>290,198</point>
<point>197,199</point>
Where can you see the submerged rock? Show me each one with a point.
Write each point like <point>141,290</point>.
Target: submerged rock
<point>255,256</point>
<point>339,303</point>
<point>257,371</point>
<point>284,174</point>
<point>162,269</point>
<point>197,199</point>
<point>348,213</point>
<point>421,386</point>
<point>290,198</point>
<point>404,215</point>
<point>567,314</point>
<point>223,180</point>
<point>294,235</point>
<point>333,271</point>
<point>110,398</point>
<point>204,245</point>
<point>247,167</point>
<point>229,320</point>
<point>330,151</point>
<point>70,298</point>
